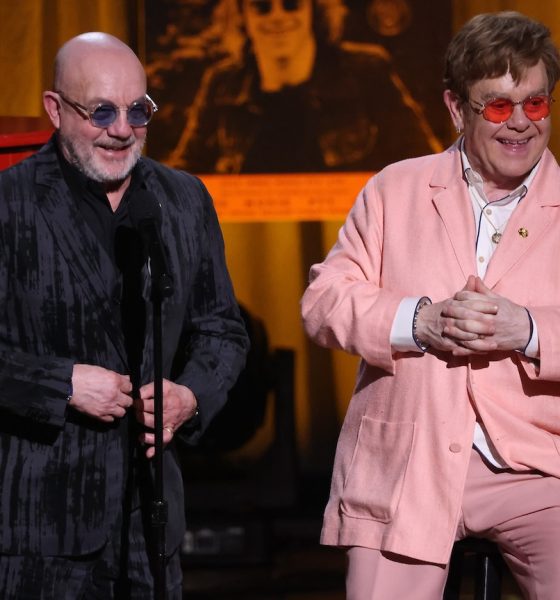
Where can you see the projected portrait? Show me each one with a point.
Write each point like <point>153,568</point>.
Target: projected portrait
<point>282,86</point>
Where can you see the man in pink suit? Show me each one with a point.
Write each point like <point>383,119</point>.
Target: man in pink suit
<point>445,281</point>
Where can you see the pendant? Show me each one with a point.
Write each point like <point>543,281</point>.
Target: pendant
<point>496,237</point>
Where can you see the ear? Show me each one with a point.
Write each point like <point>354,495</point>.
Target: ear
<point>455,107</point>
<point>52,107</point>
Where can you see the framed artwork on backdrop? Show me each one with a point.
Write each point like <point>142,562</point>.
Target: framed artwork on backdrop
<point>285,107</point>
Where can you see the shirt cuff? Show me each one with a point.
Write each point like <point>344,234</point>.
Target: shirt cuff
<point>401,330</point>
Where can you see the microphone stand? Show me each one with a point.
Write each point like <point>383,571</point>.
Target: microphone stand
<point>162,287</point>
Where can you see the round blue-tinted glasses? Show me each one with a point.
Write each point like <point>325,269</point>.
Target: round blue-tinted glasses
<point>104,114</point>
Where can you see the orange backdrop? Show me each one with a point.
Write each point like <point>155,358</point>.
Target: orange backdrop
<point>269,257</point>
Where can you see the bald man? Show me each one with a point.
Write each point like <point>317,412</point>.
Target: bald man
<point>76,361</point>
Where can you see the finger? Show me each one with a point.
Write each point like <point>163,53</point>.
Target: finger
<point>459,335</point>
<point>468,305</point>
<point>119,411</point>
<point>125,400</point>
<point>472,301</point>
<point>147,391</point>
<point>472,322</point>
<point>478,346</point>
<point>146,419</point>
<point>483,289</point>
<point>149,437</point>
<point>126,387</point>
<point>145,405</point>
<point>149,420</point>
<point>106,418</point>
<point>461,351</point>
<point>468,330</point>
<point>470,285</point>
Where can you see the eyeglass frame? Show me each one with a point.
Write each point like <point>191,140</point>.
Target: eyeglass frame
<point>87,113</point>
<point>483,105</point>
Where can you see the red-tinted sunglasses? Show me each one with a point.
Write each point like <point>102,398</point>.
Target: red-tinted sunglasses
<point>499,110</point>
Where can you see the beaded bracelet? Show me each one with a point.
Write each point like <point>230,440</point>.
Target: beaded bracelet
<point>421,303</point>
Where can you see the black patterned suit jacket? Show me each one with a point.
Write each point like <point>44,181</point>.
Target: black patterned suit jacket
<point>62,474</point>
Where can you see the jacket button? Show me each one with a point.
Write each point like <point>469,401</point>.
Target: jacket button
<point>454,447</point>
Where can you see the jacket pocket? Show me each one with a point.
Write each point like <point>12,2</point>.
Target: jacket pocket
<point>374,482</point>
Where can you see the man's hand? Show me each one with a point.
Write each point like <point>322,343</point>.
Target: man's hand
<point>511,322</point>
<point>179,405</point>
<point>100,393</point>
<point>474,321</point>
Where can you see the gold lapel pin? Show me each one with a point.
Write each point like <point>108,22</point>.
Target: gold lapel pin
<point>523,232</point>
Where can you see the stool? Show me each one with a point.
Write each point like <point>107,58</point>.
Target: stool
<point>489,566</point>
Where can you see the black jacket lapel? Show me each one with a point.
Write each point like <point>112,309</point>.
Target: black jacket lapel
<point>77,243</point>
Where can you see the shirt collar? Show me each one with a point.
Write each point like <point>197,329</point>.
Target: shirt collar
<point>474,180</point>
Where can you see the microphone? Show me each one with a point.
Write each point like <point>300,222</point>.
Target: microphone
<point>145,214</point>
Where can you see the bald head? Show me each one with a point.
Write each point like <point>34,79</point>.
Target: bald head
<point>96,70</point>
<point>79,59</point>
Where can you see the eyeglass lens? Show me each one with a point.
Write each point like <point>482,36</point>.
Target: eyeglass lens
<point>138,114</point>
<point>499,110</point>
<point>263,7</point>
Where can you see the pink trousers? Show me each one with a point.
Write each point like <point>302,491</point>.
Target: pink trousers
<point>518,511</point>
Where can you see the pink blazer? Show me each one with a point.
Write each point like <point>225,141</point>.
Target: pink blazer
<point>404,447</point>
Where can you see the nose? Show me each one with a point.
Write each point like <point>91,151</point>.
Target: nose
<point>518,120</point>
<point>120,127</point>
<point>277,8</point>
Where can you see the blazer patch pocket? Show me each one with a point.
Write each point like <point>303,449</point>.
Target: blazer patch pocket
<point>374,483</point>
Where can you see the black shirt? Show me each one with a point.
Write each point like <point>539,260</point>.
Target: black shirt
<point>124,247</point>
